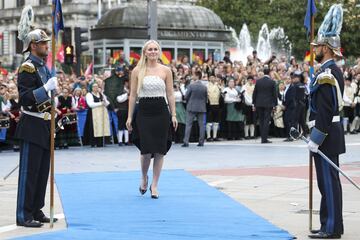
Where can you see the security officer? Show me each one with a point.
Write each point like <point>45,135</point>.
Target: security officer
<point>301,101</point>
<point>34,84</point>
<point>327,133</point>
<point>289,104</point>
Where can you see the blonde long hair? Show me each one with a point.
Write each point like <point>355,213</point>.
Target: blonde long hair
<point>142,63</point>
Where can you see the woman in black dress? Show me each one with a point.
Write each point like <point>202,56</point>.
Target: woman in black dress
<point>151,124</point>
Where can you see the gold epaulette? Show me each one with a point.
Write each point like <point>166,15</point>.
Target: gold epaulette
<point>27,67</point>
<point>326,78</point>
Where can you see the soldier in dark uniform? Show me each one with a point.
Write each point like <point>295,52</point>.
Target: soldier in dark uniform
<point>114,86</point>
<point>301,102</point>
<point>327,133</point>
<point>33,130</point>
<point>289,104</point>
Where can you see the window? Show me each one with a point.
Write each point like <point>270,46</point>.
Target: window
<point>44,2</point>
<point>20,3</point>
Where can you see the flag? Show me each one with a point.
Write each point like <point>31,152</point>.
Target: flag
<point>134,56</point>
<point>310,11</point>
<point>307,56</point>
<point>198,57</point>
<point>166,57</point>
<point>60,54</point>
<point>89,69</point>
<point>58,17</point>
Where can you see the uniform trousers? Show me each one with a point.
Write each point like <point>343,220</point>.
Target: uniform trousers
<point>32,181</point>
<point>331,195</point>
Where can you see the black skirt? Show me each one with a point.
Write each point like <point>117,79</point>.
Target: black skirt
<point>152,128</point>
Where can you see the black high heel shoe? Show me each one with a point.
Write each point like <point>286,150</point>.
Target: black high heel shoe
<point>154,196</point>
<point>143,191</point>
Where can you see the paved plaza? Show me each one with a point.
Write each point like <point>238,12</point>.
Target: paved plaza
<point>271,180</point>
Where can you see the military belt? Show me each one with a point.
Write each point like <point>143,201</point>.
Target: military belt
<point>45,115</point>
<point>311,124</point>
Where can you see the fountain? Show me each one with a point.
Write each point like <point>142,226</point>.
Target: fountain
<point>263,47</point>
<point>275,41</point>
<point>235,49</point>
<point>279,41</point>
<point>245,47</point>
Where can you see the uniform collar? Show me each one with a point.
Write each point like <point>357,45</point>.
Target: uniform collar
<point>36,60</point>
<point>327,61</point>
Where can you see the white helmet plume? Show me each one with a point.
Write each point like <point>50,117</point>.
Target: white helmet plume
<point>26,22</point>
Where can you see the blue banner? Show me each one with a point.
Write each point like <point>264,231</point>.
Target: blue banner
<point>311,11</point>
<point>58,17</point>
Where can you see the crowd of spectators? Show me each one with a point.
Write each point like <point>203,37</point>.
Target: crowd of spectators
<point>230,114</point>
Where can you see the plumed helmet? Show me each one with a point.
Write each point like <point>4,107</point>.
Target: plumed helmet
<point>27,32</point>
<point>329,31</point>
<point>35,36</point>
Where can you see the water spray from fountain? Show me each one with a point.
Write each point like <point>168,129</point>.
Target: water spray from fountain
<point>264,47</point>
<point>245,47</point>
<point>279,42</point>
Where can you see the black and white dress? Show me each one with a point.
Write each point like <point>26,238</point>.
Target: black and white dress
<point>151,122</point>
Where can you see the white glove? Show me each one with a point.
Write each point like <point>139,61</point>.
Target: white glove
<point>51,84</point>
<point>122,98</point>
<point>313,147</point>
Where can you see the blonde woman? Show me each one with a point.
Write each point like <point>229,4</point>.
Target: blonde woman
<point>152,84</point>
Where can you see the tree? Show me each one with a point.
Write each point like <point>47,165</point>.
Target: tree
<point>289,15</point>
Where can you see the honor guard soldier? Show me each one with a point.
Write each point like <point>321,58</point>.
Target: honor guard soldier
<point>34,84</point>
<point>327,133</point>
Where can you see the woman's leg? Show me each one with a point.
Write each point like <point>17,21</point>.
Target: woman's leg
<point>158,163</point>
<point>145,164</point>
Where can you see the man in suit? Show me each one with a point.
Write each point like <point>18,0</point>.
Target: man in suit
<point>196,98</point>
<point>289,105</point>
<point>264,100</point>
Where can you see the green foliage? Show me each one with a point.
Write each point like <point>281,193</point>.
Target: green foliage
<point>288,14</point>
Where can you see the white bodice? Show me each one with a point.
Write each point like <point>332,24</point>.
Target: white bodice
<point>153,86</point>
<point>178,96</point>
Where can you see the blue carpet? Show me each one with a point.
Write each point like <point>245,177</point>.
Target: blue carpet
<point>109,206</point>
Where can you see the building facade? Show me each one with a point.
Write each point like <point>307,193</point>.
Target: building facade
<point>120,27</point>
<point>184,29</point>
<point>77,13</point>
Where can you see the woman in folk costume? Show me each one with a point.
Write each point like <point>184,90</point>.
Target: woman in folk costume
<point>68,135</point>
<point>152,84</point>
<point>248,110</point>
<point>180,113</point>
<point>234,116</point>
<point>14,112</point>
<point>81,110</point>
<point>97,121</point>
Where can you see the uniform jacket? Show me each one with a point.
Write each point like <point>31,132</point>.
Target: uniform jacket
<point>323,107</point>
<point>32,75</point>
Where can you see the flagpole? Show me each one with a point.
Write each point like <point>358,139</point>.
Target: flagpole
<point>52,125</point>
<point>310,155</point>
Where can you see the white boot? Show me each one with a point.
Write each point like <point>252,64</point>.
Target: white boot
<point>208,130</point>
<point>215,130</point>
<point>120,137</point>
<point>126,137</point>
<point>246,130</point>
